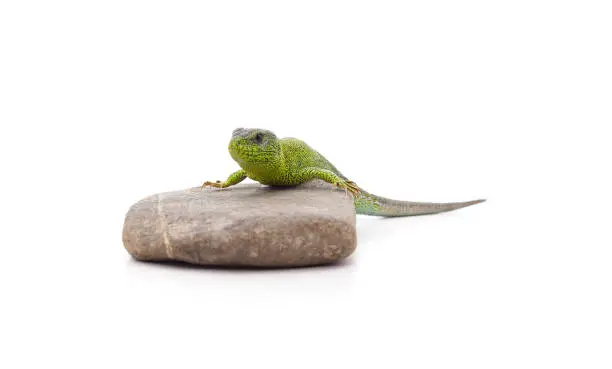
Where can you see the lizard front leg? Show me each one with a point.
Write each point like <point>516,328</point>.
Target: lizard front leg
<point>328,176</point>
<point>234,178</point>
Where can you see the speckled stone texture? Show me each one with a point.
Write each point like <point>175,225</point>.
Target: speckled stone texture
<point>243,225</point>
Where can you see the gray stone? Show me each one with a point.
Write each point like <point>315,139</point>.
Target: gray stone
<point>243,225</point>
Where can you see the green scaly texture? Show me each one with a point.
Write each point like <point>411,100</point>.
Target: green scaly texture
<point>288,162</point>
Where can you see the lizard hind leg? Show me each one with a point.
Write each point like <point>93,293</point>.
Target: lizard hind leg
<point>328,176</point>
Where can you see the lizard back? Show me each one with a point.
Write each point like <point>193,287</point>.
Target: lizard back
<point>298,155</point>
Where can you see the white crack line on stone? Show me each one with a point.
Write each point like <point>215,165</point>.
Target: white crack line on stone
<point>164,227</point>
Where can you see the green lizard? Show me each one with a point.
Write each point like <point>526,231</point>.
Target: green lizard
<point>288,162</point>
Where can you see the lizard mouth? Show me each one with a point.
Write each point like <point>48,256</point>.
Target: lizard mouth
<point>245,155</point>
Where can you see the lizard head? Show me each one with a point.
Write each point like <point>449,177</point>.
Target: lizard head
<point>252,146</point>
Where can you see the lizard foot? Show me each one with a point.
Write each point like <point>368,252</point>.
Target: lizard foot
<point>216,184</point>
<point>349,186</point>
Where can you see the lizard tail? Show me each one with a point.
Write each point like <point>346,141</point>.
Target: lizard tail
<point>368,204</point>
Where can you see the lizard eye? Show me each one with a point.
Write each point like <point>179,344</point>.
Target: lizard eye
<point>259,138</point>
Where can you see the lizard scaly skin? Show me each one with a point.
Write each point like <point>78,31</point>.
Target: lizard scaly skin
<point>288,162</point>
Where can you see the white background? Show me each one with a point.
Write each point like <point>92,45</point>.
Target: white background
<point>103,103</point>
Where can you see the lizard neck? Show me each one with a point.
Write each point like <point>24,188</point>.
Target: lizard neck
<point>269,172</point>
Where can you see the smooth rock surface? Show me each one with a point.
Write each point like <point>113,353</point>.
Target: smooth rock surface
<point>243,225</point>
